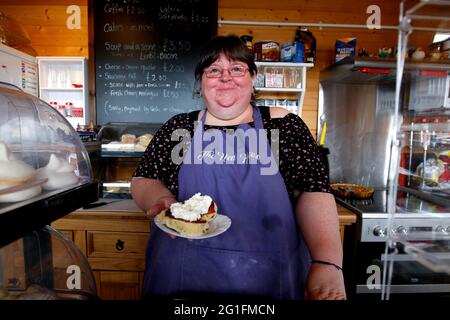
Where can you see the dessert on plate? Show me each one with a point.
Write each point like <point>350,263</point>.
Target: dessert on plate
<point>190,217</point>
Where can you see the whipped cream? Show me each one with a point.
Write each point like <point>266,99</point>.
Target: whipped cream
<point>58,172</point>
<point>11,168</point>
<point>191,209</point>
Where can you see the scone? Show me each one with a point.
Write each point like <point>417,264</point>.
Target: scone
<point>144,140</point>
<point>191,217</point>
<point>184,227</point>
<point>128,138</point>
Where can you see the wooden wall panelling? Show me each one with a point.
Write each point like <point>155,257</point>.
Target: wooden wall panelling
<point>286,11</point>
<point>46,26</point>
<point>336,11</point>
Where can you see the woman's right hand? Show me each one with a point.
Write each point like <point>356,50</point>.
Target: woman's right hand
<point>161,204</point>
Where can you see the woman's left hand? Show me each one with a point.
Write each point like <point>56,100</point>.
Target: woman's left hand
<point>324,283</point>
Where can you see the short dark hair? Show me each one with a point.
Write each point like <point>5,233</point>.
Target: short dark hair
<point>232,47</point>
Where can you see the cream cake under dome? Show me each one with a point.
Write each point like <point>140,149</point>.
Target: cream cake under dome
<point>40,151</point>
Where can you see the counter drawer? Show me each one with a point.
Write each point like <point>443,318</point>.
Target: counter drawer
<point>106,244</point>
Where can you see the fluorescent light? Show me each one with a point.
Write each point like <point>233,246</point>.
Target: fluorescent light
<point>438,37</point>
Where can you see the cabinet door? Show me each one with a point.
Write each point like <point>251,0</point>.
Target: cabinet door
<point>119,285</point>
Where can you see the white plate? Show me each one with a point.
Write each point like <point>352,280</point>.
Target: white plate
<point>218,225</point>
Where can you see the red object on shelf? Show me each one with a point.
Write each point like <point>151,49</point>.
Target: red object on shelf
<point>77,85</point>
<point>433,73</point>
<point>374,70</point>
<point>77,112</point>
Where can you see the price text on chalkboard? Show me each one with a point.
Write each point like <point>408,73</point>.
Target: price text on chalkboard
<point>145,56</point>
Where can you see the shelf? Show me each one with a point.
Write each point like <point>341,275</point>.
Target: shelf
<point>433,254</point>
<point>279,89</point>
<point>121,154</point>
<point>117,184</point>
<point>20,218</point>
<point>58,75</point>
<point>290,81</point>
<point>283,64</point>
<point>430,126</point>
<point>63,89</point>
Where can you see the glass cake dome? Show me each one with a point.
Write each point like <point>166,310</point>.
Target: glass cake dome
<point>45,173</point>
<point>40,152</point>
<point>45,265</point>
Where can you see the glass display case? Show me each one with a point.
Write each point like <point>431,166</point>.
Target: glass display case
<point>418,248</point>
<point>45,265</point>
<point>122,146</point>
<point>45,173</point>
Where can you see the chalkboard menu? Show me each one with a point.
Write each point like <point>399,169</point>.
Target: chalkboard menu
<point>145,56</point>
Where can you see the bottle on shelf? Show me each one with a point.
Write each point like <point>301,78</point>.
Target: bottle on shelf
<point>61,108</point>
<point>299,49</point>
<point>248,42</point>
<point>306,37</point>
<point>69,106</point>
<point>91,126</point>
<point>54,104</point>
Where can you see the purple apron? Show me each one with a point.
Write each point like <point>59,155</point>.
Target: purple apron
<point>261,254</point>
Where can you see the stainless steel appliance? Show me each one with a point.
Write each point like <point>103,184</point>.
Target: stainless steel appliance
<point>357,102</point>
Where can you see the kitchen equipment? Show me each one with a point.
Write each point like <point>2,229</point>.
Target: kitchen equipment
<point>118,159</point>
<point>19,69</point>
<point>357,99</point>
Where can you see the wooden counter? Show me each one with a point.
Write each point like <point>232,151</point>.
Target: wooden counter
<point>113,237</point>
<point>346,218</point>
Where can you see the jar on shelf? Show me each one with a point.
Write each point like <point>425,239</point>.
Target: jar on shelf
<point>273,77</point>
<point>259,79</point>
<point>69,107</point>
<point>292,78</point>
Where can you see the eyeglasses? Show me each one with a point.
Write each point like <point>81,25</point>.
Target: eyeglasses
<point>217,72</point>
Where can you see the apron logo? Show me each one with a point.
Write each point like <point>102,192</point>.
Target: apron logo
<point>238,146</point>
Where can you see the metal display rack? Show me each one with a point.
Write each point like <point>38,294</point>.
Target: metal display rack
<point>428,247</point>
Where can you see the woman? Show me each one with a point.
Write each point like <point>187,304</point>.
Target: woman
<point>279,246</point>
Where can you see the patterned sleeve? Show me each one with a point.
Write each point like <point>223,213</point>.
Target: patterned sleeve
<point>300,157</point>
<point>156,162</point>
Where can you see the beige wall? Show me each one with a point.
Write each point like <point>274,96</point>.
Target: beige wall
<point>45,23</point>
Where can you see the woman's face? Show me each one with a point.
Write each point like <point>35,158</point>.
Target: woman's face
<point>227,97</point>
